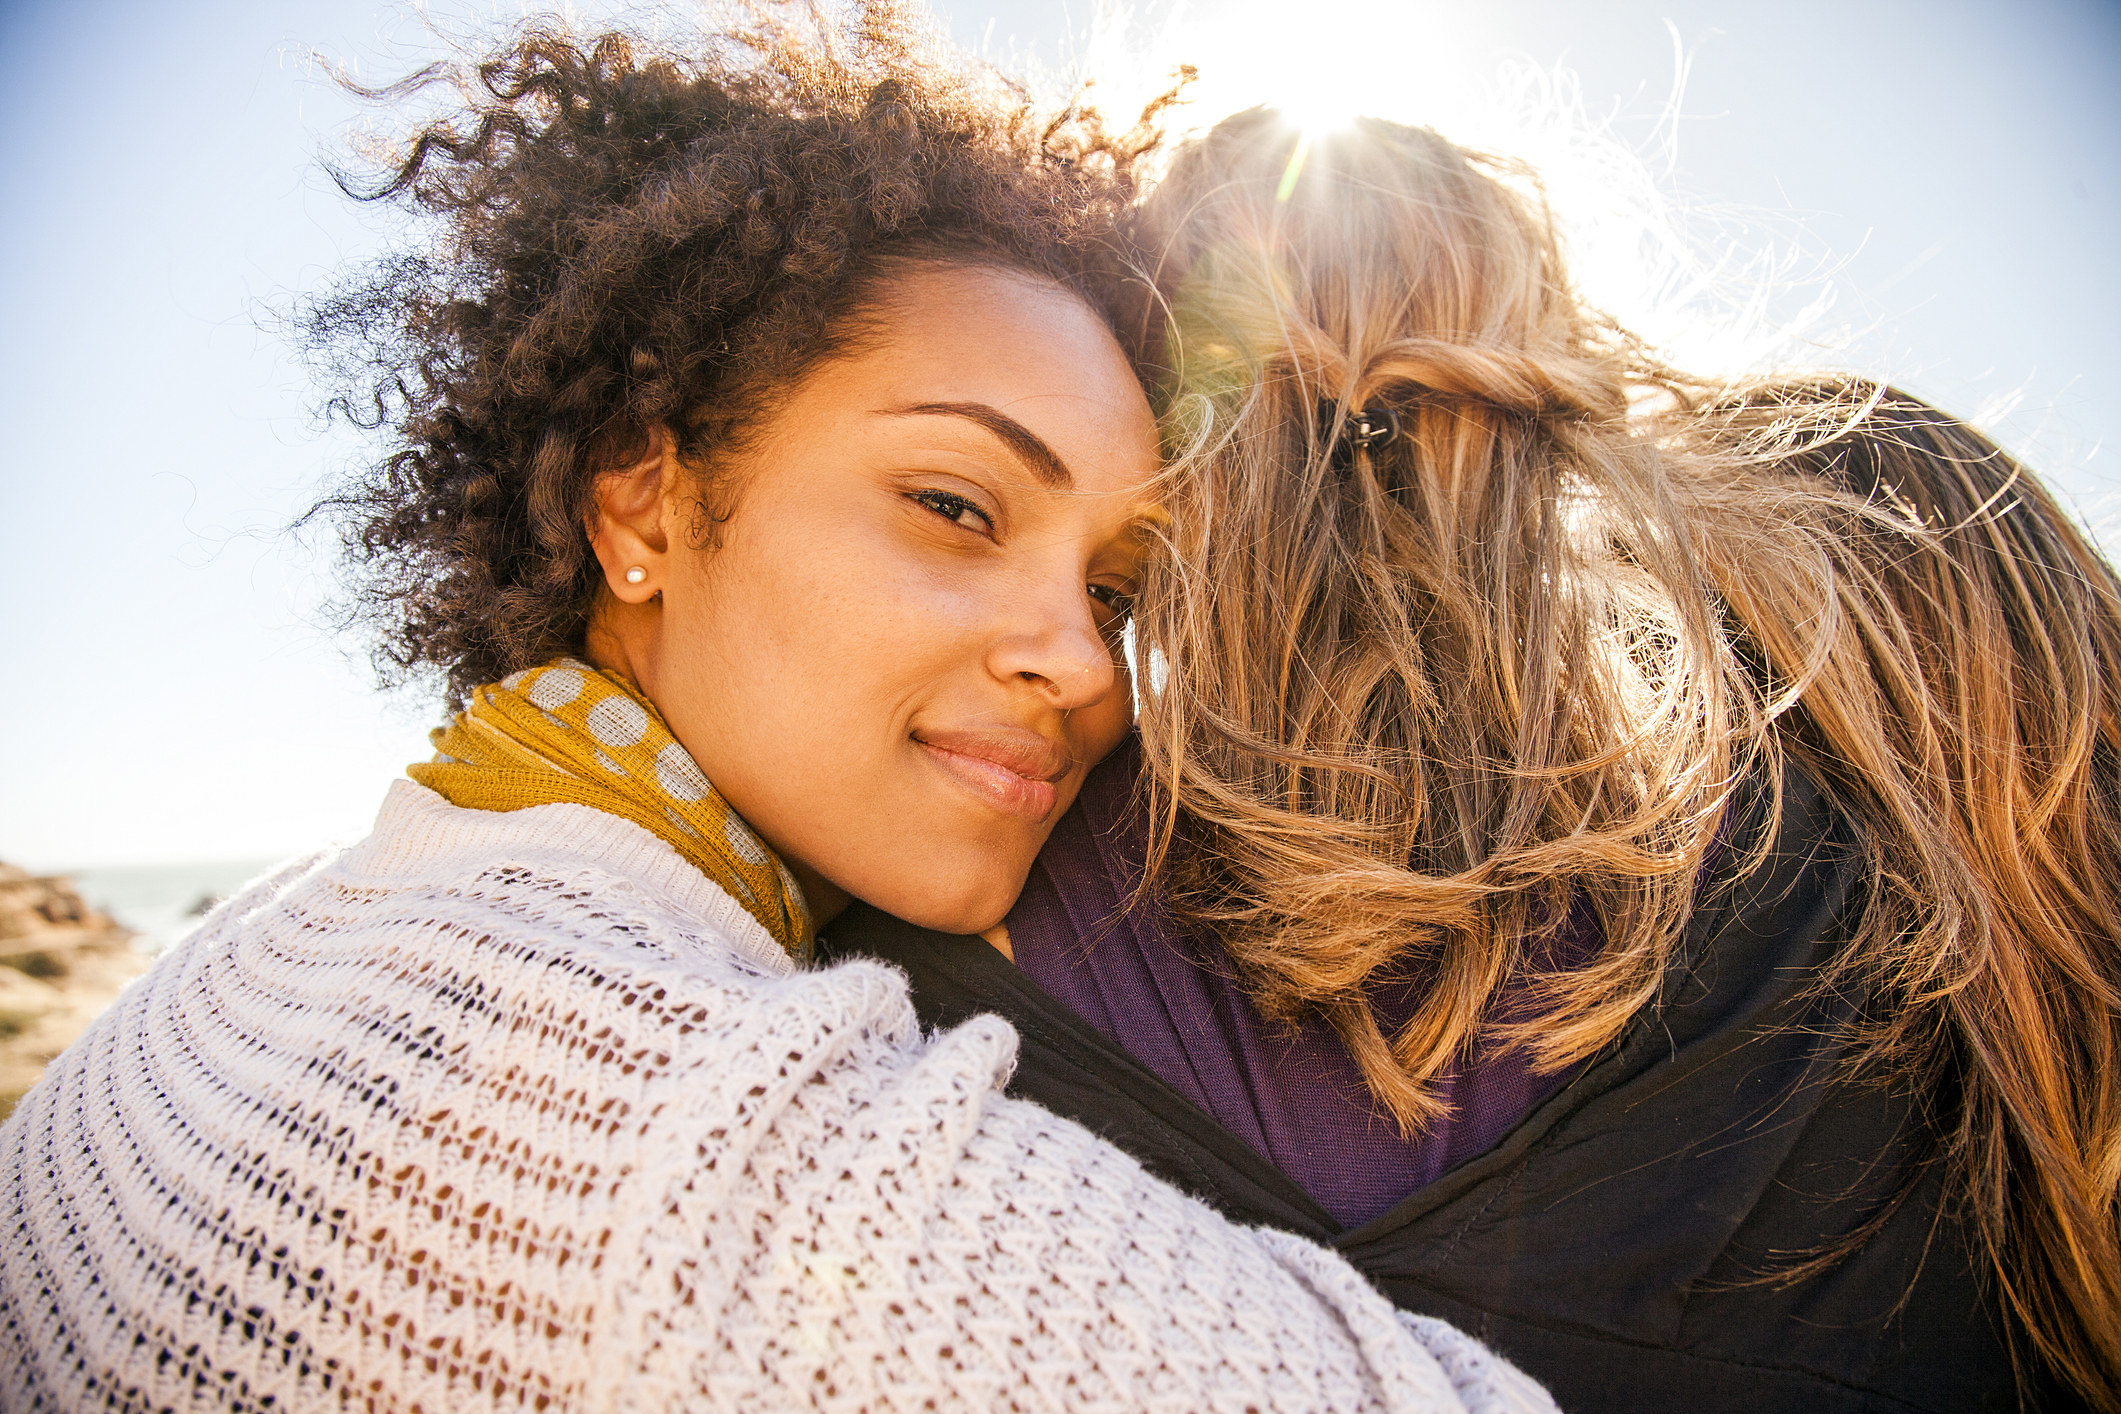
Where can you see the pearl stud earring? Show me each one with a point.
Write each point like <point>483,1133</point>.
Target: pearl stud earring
<point>636,575</point>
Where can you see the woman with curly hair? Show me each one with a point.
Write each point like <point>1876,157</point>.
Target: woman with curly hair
<point>1628,863</point>
<point>769,491</point>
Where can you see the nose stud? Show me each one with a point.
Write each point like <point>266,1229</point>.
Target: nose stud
<point>636,575</point>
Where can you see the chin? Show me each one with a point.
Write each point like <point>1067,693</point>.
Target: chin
<point>964,911</point>
<point>966,921</point>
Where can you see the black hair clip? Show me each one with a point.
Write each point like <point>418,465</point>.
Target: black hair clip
<point>1367,429</point>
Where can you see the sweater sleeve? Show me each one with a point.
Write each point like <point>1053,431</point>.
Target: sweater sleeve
<point>899,1235</point>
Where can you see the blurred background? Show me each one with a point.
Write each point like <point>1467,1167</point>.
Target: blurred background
<point>1929,191</point>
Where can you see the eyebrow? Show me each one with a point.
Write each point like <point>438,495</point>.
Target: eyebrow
<point>1030,448</point>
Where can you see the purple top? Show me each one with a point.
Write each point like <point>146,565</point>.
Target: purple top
<point>1167,998</point>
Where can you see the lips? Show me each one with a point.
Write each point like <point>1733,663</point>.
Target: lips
<point>1012,769</point>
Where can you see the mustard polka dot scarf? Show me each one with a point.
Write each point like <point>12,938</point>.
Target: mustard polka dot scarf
<point>568,734</point>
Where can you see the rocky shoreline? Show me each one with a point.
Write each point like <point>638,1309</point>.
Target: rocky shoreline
<point>61,963</point>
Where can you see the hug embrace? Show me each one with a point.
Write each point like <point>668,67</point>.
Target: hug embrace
<point>1086,773</point>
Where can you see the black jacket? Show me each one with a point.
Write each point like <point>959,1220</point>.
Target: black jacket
<point>1614,1243</point>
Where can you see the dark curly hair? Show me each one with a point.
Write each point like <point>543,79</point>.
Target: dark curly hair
<point>627,237</point>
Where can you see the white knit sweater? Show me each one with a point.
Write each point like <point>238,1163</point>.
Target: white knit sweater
<point>520,1111</point>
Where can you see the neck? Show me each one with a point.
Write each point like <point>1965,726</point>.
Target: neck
<point>620,638</point>
<point>825,899</point>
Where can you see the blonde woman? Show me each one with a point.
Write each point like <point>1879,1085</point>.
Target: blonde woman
<point>769,491</point>
<point>1619,885</point>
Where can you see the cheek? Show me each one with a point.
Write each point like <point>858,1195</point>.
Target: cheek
<point>824,627</point>
<point>1095,730</point>
<point>816,652</point>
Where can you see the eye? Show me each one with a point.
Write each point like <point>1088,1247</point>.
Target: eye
<point>1118,603</point>
<point>956,509</point>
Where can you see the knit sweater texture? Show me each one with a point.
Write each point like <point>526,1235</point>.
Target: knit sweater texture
<point>518,1110</point>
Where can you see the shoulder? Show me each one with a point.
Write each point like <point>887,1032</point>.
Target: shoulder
<point>548,922</point>
<point>1780,904</point>
<point>566,870</point>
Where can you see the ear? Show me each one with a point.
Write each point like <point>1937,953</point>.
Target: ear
<point>627,526</point>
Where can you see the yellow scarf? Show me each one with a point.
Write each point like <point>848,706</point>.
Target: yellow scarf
<point>568,734</point>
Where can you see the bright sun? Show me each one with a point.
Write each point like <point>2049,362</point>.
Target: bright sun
<point>1325,63</point>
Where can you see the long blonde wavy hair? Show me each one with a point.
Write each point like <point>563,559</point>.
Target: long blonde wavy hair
<point>1407,705</point>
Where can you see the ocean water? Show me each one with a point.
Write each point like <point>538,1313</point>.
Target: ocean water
<point>161,902</point>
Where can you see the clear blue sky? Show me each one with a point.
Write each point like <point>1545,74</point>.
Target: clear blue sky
<point>1952,170</point>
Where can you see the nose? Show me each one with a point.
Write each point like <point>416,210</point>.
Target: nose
<point>1054,648</point>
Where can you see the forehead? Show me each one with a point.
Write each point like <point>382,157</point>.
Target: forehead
<point>1024,346</point>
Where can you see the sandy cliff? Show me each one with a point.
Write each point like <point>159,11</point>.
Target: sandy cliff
<point>61,962</point>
